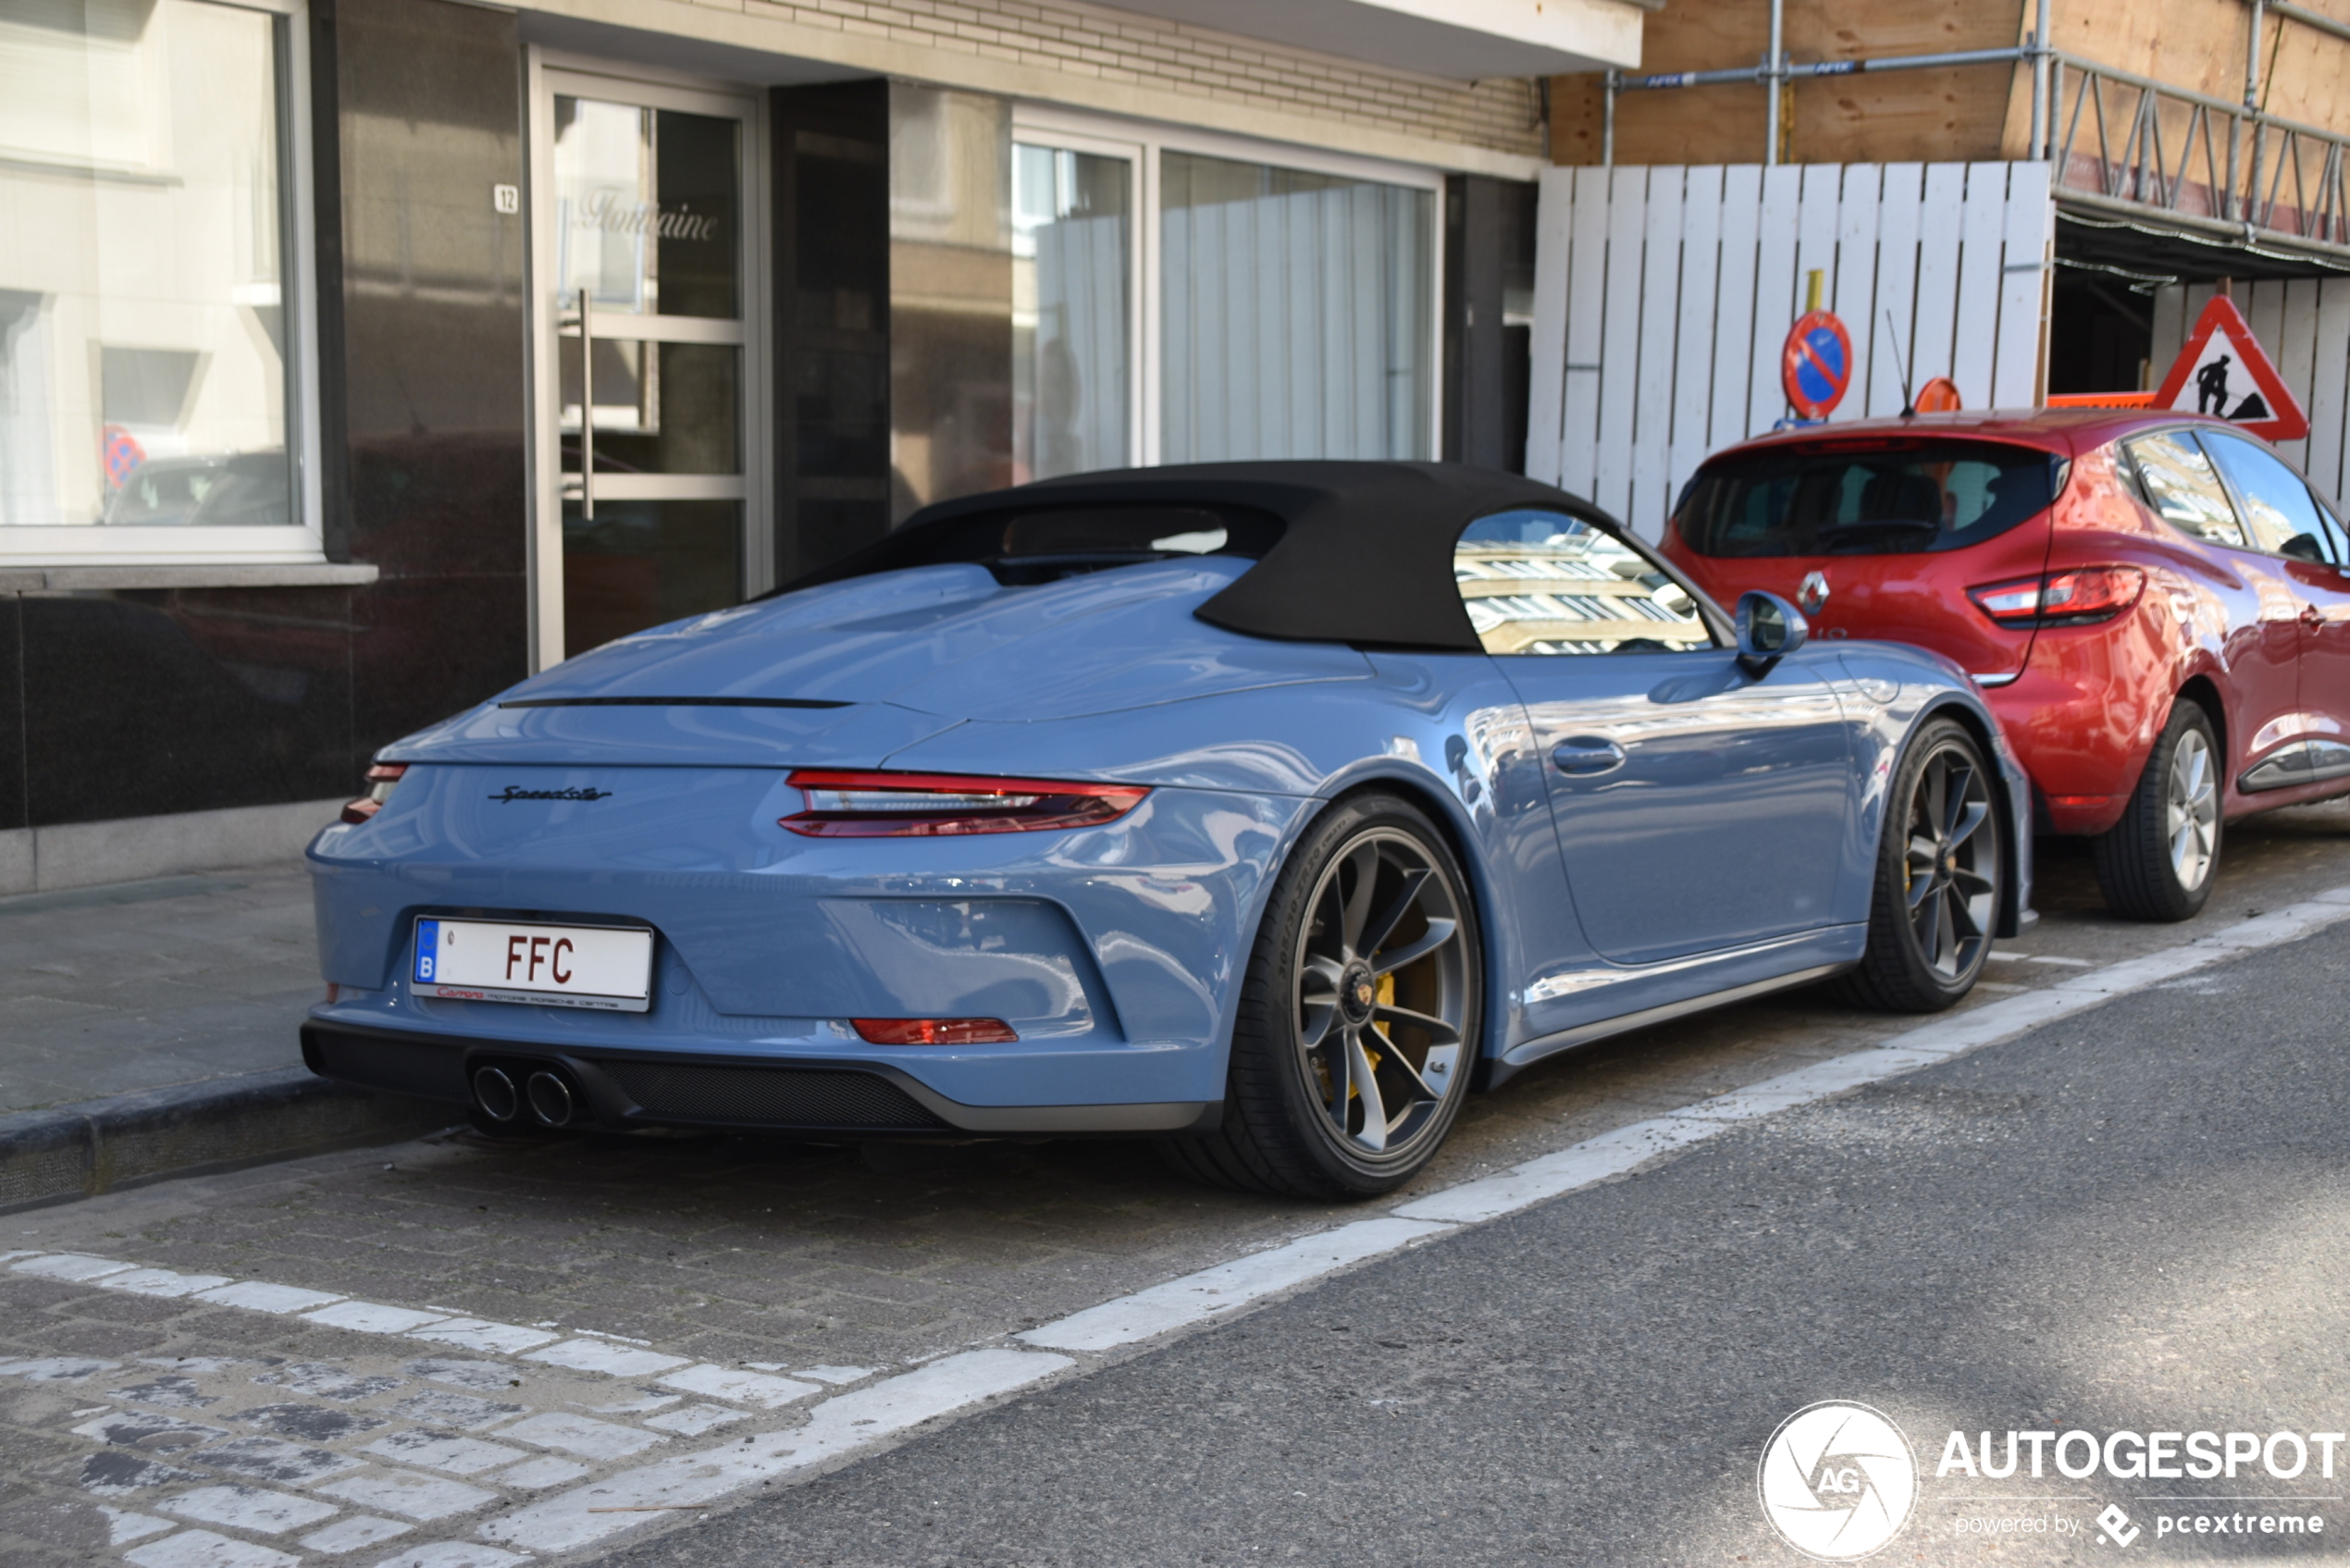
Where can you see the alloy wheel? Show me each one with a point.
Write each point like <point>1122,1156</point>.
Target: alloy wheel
<point>1381,994</point>
<point>2191,811</point>
<point>1949,877</point>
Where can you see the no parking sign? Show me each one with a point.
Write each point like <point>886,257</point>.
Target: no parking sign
<point>1817,365</point>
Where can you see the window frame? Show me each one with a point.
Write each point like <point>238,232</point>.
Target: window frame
<point>1077,131</point>
<point>303,542</point>
<point>2237,498</point>
<point>2127,447</point>
<point>1719,629</point>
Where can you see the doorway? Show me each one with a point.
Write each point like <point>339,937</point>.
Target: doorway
<point>648,366</point>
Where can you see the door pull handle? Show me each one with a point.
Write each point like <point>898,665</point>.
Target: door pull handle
<point>1586,754</point>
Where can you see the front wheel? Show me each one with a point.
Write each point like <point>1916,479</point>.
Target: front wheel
<point>1939,870</point>
<point>1359,1014</point>
<point>2158,862</point>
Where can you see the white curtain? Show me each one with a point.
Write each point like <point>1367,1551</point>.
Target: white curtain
<point>1298,314</point>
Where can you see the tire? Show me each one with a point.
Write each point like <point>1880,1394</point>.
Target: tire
<point>2159,861</point>
<point>1939,875</point>
<point>1359,1014</point>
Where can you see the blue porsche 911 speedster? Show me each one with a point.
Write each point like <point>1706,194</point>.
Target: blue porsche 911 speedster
<point>1262,809</point>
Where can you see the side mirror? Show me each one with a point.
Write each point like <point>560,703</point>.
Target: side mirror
<point>1769,628</point>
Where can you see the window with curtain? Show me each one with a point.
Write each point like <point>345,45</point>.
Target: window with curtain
<point>1297,313</point>
<point>1072,352</point>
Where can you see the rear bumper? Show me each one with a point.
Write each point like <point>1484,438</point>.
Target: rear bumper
<point>639,1088</point>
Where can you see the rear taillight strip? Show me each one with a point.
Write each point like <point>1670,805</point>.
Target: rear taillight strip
<point>380,779</point>
<point>2078,595</point>
<point>860,804</point>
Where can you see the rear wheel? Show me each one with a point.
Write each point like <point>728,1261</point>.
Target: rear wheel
<point>2159,861</point>
<point>1358,1016</point>
<point>1938,875</point>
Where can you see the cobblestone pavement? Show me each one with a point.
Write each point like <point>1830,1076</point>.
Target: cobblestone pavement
<point>527,1319</point>
<point>150,985</point>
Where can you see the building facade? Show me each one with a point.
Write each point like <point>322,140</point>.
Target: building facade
<point>359,357</point>
<point>2029,197</point>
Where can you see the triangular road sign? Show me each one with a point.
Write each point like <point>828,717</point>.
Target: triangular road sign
<point>2224,371</point>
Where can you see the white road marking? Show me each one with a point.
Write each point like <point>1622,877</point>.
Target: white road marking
<point>582,1435</point>
<point>71,1267</point>
<point>249,1508</point>
<point>407,1493</point>
<point>202,1549</point>
<point>849,1423</point>
<point>163,1282</point>
<point>351,1534</point>
<point>479,1334</point>
<point>839,1426</point>
<point>743,1388</point>
<point>370,1317</point>
<point>612,1361</point>
<point>1211,1291</point>
<point>261,1297</point>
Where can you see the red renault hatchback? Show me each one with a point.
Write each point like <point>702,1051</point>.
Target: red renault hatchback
<point>2155,606</point>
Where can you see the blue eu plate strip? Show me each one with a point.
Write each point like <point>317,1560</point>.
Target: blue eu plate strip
<point>428,950</point>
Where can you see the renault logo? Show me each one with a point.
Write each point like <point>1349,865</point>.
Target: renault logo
<point>1812,596</point>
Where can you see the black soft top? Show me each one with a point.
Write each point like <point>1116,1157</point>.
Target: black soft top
<point>1349,552</point>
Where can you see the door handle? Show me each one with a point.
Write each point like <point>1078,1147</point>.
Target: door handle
<point>584,494</point>
<point>1586,754</point>
<point>2312,617</point>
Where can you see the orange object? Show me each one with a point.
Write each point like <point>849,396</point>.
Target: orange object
<point>1938,396</point>
<point>2100,399</point>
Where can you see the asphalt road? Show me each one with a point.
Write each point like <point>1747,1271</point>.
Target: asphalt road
<point>2132,1219</point>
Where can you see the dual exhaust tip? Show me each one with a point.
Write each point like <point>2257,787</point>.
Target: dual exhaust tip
<point>545,1095</point>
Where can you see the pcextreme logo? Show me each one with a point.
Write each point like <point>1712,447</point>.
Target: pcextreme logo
<point>1837,1481</point>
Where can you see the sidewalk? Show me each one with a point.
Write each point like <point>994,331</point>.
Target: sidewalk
<point>149,1029</point>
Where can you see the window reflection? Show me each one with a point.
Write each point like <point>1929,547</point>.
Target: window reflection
<point>1072,312</point>
<point>1542,582</point>
<point>143,376</point>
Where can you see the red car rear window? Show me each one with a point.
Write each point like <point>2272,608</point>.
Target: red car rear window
<point>1882,498</point>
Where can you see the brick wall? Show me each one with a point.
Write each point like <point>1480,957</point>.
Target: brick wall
<point>1119,46</point>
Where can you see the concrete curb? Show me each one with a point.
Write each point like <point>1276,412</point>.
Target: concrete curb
<point>79,1151</point>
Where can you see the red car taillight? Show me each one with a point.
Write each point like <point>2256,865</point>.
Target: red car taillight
<point>380,778</point>
<point>933,1032</point>
<point>868,805</point>
<point>2075,597</point>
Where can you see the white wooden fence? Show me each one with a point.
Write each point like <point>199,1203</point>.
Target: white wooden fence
<point>2304,323</point>
<point>1662,296</point>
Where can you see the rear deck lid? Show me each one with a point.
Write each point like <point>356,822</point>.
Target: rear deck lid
<point>1885,532</point>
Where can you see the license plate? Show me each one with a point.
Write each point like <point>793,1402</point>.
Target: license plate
<point>607,967</point>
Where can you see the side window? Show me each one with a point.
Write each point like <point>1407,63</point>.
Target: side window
<point>2277,510</point>
<point>2331,538</point>
<point>1542,582</point>
<point>2181,487</point>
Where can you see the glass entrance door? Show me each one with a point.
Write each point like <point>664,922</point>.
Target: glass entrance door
<point>644,277</point>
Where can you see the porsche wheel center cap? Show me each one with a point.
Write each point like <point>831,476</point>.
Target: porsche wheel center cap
<point>1358,994</point>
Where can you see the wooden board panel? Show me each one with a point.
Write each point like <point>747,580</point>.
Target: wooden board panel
<point>1853,297</point>
<point>1661,317</point>
<point>1892,341</point>
<point>1733,328</point>
<point>1586,279</point>
<point>2026,244</point>
<point>1620,338</point>
<point>2296,352</point>
<point>2330,390</point>
<point>1546,385</point>
<point>1773,296</point>
<point>1935,312</point>
<point>1982,227</point>
<point>1693,359</point>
